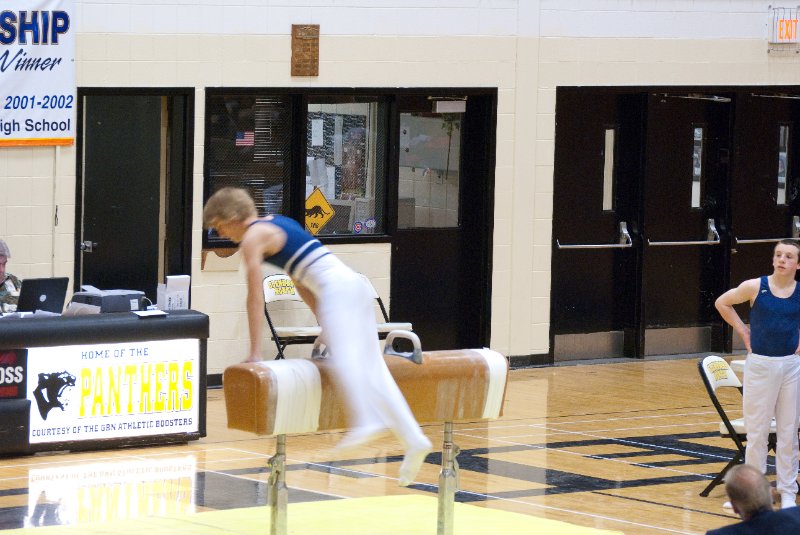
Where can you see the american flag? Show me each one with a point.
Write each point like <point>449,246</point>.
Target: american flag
<point>245,139</point>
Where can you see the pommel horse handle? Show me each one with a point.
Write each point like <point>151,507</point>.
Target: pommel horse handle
<point>415,355</point>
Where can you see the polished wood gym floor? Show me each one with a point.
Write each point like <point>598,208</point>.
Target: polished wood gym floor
<point>624,446</point>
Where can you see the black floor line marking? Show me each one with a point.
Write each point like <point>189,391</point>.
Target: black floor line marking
<point>584,414</point>
<point>661,504</point>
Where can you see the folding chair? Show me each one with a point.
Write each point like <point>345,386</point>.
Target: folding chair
<point>281,288</point>
<point>386,326</point>
<point>717,374</point>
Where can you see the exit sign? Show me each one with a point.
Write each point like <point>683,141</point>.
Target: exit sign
<point>783,25</point>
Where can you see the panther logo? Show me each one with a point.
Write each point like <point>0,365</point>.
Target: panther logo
<point>316,211</point>
<point>50,389</point>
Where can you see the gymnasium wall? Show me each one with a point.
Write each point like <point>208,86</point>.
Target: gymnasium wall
<point>524,48</point>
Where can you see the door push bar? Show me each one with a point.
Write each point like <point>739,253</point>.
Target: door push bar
<point>758,240</point>
<point>712,237</point>
<point>795,234</point>
<point>625,241</point>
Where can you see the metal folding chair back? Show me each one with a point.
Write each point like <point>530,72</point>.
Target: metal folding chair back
<point>384,325</point>
<point>280,287</point>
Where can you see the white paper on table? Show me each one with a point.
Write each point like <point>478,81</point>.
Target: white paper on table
<point>174,295</point>
<point>81,309</point>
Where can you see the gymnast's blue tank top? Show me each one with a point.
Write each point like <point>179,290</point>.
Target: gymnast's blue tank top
<point>775,322</point>
<point>301,248</point>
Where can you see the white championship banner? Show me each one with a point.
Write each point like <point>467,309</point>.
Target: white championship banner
<point>37,72</point>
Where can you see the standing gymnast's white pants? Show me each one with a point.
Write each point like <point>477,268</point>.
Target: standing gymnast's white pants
<point>770,387</point>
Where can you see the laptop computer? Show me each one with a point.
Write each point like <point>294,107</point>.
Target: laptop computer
<point>43,294</point>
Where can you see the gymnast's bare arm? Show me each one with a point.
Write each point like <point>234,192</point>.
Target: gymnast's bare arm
<point>258,240</point>
<point>746,291</point>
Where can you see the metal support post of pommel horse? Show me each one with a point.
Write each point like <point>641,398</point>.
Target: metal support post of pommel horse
<point>448,483</point>
<point>277,492</point>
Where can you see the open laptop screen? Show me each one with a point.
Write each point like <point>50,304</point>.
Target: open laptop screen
<point>43,294</point>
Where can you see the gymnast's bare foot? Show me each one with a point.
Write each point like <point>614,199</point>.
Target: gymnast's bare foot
<point>412,462</point>
<point>252,358</point>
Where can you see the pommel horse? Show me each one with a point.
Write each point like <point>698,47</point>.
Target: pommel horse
<point>282,397</point>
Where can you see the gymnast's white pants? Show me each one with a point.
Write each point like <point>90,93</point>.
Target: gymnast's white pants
<point>346,313</point>
<point>770,389</point>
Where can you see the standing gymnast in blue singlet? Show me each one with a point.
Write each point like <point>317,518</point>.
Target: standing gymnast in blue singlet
<point>344,309</point>
<point>772,367</point>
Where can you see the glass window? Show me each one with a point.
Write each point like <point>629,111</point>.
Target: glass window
<point>345,166</point>
<point>248,145</point>
<point>430,161</point>
<point>697,165</point>
<point>608,170</point>
<point>783,161</point>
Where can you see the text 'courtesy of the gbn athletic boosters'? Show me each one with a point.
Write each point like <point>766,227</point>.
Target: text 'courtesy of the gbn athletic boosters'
<point>37,73</point>
<point>120,390</point>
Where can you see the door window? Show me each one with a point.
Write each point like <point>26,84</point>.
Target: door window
<point>608,169</point>
<point>698,136</point>
<point>783,162</point>
<point>429,174</point>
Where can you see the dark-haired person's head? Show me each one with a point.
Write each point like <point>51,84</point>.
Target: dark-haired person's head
<point>790,241</point>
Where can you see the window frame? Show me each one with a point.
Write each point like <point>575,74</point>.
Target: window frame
<point>396,98</point>
<point>295,196</point>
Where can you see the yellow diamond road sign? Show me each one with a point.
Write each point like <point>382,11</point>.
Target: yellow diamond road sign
<point>318,211</point>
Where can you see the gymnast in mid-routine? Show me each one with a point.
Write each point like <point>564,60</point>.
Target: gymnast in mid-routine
<point>344,309</point>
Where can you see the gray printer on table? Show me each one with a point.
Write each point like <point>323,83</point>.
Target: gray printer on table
<point>110,300</point>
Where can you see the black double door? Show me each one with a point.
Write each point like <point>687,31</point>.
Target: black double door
<point>702,181</point>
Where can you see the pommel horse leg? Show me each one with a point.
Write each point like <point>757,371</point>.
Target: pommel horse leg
<point>283,397</point>
<point>448,483</point>
<point>277,491</point>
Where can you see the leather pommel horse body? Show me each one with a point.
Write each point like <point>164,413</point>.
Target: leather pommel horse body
<point>282,397</point>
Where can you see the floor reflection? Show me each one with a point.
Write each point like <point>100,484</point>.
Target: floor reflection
<point>621,447</point>
<point>109,491</point>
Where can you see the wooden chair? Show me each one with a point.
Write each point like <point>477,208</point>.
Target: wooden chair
<point>281,288</point>
<point>716,375</point>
